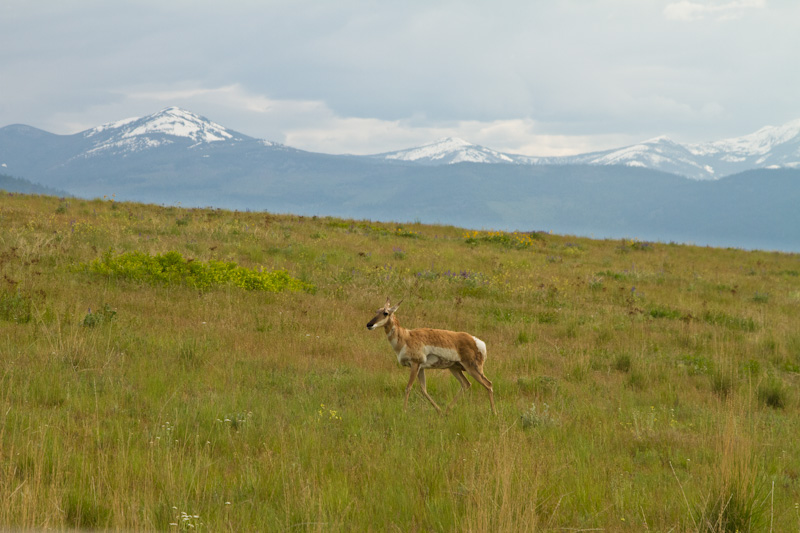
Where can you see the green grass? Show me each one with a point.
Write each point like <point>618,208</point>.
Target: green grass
<point>640,386</point>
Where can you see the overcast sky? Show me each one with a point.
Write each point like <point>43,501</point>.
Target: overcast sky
<point>531,77</point>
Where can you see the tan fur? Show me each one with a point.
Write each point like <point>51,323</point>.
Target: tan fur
<point>434,348</point>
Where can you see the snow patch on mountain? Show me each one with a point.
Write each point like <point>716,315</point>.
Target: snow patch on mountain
<point>179,123</point>
<point>127,145</point>
<point>110,126</point>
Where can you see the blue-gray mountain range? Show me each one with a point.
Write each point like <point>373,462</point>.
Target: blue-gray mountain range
<point>742,192</point>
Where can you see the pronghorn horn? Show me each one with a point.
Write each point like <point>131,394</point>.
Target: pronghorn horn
<point>393,309</point>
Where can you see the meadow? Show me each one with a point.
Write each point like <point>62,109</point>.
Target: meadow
<point>172,369</point>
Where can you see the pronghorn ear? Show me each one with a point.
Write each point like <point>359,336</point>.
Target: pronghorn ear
<point>393,309</point>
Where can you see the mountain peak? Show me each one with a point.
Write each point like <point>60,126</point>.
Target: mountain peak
<point>172,121</point>
<point>451,142</point>
<point>178,122</point>
<point>448,150</point>
<point>170,125</point>
<point>661,139</point>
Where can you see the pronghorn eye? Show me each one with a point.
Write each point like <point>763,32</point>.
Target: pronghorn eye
<point>386,313</point>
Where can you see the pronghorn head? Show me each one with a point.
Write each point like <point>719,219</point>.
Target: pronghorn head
<point>383,315</point>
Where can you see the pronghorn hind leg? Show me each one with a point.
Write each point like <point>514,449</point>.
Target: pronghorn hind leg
<point>476,372</point>
<point>424,388</point>
<point>463,381</point>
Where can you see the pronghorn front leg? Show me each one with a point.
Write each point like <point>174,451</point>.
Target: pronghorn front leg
<point>414,372</point>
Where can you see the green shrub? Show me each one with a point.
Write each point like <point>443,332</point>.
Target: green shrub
<point>622,363</point>
<point>761,297</point>
<point>772,393</point>
<point>533,418</point>
<point>718,318</point>
<point>172,267</point>
<point>82,511</point>
<point>752,367</point>
<point>103,316</point>
<point>523,338</point>
<point>696,364</point>
<point>721,384</point>
<point>734,511</point>
<point>665,312</point>
<point>15,307</point>
<point>637,380</point>
<point>516,239</point>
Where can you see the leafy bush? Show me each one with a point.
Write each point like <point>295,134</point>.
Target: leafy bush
<point>172,267</point>
<point>103,316</point>
<point>533,418</point>
<point>509,240</point>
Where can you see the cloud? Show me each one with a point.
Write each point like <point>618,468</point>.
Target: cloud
<point>372,136</point>
<point>233,96</point>
<point>315,126</point>
<point>692,11</point>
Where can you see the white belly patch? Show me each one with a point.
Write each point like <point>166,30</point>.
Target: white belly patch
<point>435,357</point>
<point>442,353</point>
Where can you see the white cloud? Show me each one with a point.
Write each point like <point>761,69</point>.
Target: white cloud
<point>312,125</point>
<point>372,136</point>
<point>691,11</point>
<point>233,96</point>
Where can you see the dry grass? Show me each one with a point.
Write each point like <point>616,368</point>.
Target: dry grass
<point>641,386</point>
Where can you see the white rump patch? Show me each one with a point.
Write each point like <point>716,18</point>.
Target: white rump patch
<point>481,346</point>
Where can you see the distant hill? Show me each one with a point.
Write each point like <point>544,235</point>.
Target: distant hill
<point>175,156</point>
<point>12,184</point>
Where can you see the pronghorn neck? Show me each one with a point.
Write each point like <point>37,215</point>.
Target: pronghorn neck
<point>394,331</point>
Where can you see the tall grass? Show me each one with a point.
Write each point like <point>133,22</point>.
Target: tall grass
<point>640,386</point>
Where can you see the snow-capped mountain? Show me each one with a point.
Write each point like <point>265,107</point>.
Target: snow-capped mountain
<point>769,147</point>
<point>660,153</point>
<point>166,148</point>
<point>448,151</point>
<point>168,126</point>
<point>179,129</point>
<point>174,156</point>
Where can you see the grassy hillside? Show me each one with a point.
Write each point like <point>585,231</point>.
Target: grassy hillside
<point>146,384</point>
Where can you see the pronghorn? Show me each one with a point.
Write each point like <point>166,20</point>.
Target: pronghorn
<point>434,348</point>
